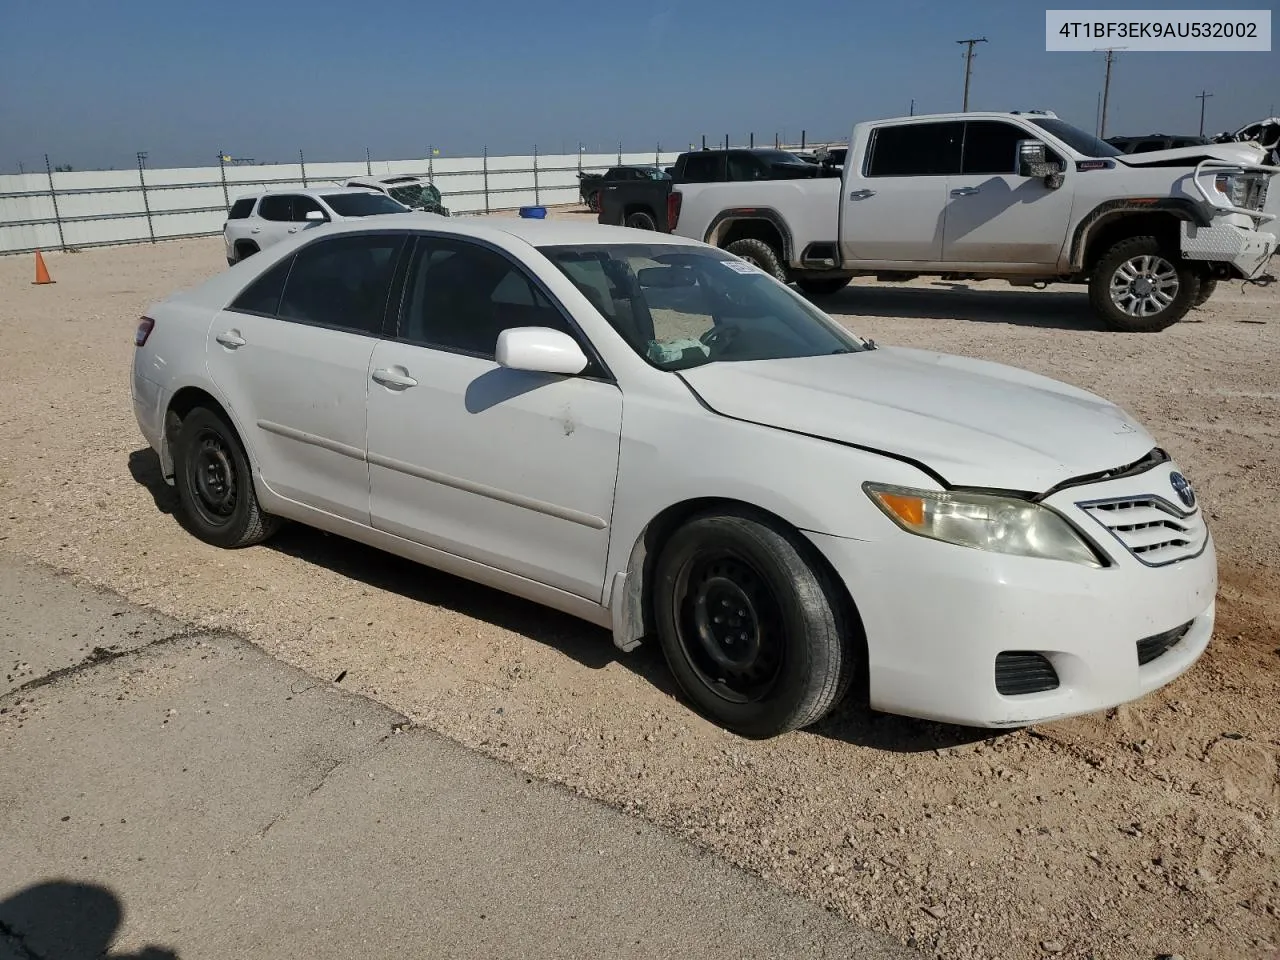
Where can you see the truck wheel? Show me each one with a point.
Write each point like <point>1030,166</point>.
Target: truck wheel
<point>756,635</point>
<point>822,286</point>
<point>1140,287</point>
<point>761,254</point>
<point>640,220</point>
<point>593,202</point>
<point>1207,286</point>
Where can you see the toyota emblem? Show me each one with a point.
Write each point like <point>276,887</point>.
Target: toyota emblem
<point>1182,487</point>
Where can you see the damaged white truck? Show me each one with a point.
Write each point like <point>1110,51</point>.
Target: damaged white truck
<point>1023,197</point>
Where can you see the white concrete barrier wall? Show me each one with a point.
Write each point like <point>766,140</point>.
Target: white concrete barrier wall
<point>101,207</point>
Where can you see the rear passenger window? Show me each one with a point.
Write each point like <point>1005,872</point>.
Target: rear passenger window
<point>276,208</point>
<point>241,209</point>
<point>916,150</point>
<point>304,205</point>
<point>263,295</point>
<point>704,167</point>
<point>342,282</point>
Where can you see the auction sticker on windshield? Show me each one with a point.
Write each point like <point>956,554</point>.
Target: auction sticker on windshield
<point>741,266</point>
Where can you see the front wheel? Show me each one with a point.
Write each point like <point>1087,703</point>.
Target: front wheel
<point>215,484</point>
<point>760,254</point>
<point>756,635</point>
<point>1140,287</point>
<point>822,286</point>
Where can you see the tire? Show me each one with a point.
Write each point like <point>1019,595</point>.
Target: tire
<point>822,286</point>
<point>215,484</point>
<point>761,254</point>
<point>593,201</point>
<point>1207,286</point>
<point>231,261</point>
<point>1123,269</point>
<point>796,661</point>
<point>640,220</point>
<point>244,251</point>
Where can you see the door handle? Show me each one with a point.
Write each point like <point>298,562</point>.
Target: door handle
<point>231,339</point>
<point>256,230</point>
<point>861,194</point>
<point>964,191</point>
<point>393,379</point>
<point>293,229</point>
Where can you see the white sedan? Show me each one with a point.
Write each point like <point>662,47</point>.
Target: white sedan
<point>653,435</point>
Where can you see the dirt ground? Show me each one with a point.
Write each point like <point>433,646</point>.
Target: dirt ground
<point>1149,830</point>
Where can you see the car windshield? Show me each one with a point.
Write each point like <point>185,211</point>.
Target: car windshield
<point>362,204</point>
<point>681,307</point>
<point>1079,141</point>
<point>416,195</point>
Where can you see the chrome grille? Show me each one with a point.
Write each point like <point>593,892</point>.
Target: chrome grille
<point>1151,528</point>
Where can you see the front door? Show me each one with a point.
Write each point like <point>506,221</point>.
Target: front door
<point>512,469</point>
<point>291,356</point>
<point>995,216</point>
<point>892,207</point>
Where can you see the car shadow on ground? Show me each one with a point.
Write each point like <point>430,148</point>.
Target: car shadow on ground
<point>1052,309</point>
<point>589,645</point>
<point>73,921</point>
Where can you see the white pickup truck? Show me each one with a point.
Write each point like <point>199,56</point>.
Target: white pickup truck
<point>1023,197</point>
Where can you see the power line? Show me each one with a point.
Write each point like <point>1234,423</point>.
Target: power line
<point>1202,96</point>
<point>968,67</point>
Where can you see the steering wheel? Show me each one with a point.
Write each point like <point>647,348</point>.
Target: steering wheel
<point>718,339</point>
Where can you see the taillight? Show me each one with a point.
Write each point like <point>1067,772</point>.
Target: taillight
<point>145,326</point>
<point>673,209</point>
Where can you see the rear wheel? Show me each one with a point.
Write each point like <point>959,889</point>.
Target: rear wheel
<point>755,634</point>
<point>215,483</point>
<point>761,254</point>
<point>822,286</point>
<point>641,220</point>
<point>1140,287</point>
<point>593,201</point>
<point>245,250</point>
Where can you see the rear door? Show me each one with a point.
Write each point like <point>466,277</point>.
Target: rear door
<point>275,218</point>
<point>995,216</point>
<point>893,204</point>
<point>291,357</point>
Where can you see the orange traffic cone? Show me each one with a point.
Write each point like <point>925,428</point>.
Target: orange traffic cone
<point>42,272</point>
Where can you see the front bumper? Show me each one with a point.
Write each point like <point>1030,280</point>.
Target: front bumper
<point>1247,250</point>
<point>936,617</point>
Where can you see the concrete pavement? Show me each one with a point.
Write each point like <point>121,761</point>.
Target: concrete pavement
<point>167,792</point>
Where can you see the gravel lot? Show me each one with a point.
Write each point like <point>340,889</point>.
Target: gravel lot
<point>1151,830</point>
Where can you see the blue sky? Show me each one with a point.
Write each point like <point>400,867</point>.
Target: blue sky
<point>93,82</point>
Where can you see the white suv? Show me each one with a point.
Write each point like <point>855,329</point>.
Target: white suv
<point>258,221</point>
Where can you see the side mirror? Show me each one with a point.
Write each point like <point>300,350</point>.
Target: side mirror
<point>539,350</point>
<point>316,216</point>
<point>1030,158</point>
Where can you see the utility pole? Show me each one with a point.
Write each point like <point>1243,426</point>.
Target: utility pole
<point>1097,117</point>
<point>1106,92</point>
<point>968,67</point>
<point>1202,96</point>
<point>913,107</point>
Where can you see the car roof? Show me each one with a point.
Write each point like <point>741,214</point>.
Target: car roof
<point>536,233</point>
<point>306,192</point>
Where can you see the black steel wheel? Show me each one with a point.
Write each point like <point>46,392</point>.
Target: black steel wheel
<point>215,484</point>
<point>753,628</point>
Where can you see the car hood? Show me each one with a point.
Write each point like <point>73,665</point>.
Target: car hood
<point>1243,152</point>
<point>972,422</point>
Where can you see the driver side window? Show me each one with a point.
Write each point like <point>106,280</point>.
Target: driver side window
<point>459,296</point>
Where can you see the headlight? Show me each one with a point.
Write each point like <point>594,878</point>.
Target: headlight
<point>1241,189</point>
<point>984,522</point>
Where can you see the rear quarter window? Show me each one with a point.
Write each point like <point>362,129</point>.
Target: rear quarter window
<point>240,209</point>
